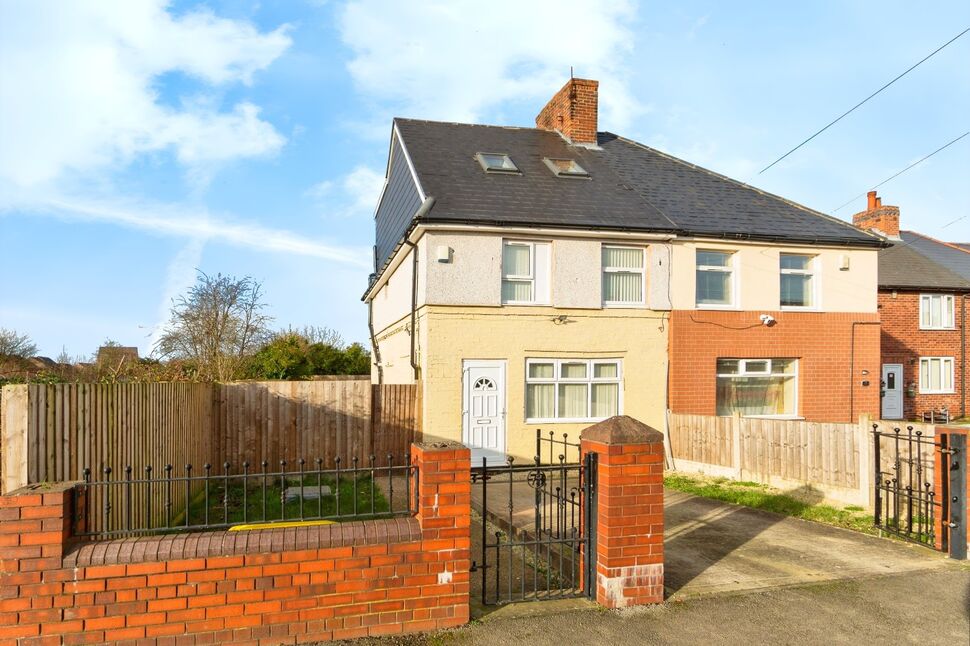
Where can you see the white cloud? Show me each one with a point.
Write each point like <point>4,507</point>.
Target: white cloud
<point>354,194</point>
<point>78,86</point>
<point>463,61</point>
<point>188,222</point>
<point>181,275</point>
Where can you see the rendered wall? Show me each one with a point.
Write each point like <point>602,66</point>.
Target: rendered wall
<point>758,276</point>
<point>638,337</point>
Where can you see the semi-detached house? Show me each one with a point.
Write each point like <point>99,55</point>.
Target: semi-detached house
<point>550,277</point>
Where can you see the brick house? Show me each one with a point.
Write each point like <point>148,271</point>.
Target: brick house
<point>924,285</point>
<point>554,276</point>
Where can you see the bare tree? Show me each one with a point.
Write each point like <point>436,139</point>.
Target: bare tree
<point>319,334</point>
<point>16,345</point>
<point>217,325</point>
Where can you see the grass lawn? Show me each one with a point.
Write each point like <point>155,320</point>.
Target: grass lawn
<point>760,496</point>
<point>359,500</point>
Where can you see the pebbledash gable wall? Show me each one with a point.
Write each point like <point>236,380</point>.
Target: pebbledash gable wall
<point>828,346</point>
<point>903,342</point>
<point>279,586</point>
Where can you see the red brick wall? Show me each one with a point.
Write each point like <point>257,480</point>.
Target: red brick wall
<point>281,586</point>
<point>573,111</point>
<point>904,343</point>
<point>821,341</point>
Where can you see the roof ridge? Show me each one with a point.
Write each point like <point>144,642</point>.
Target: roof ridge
<point>475,125</point>
<point>746,186</point>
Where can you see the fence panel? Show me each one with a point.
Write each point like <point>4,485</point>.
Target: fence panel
<point>52,432</point>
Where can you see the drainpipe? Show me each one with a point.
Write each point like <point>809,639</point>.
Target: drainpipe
<point>421,212</point>
<point>852,367</point>
<point>373,342</point>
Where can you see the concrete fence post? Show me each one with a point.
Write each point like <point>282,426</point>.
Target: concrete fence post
<point>736,460</point>
<point>864,440</point>
<point>629,512</point>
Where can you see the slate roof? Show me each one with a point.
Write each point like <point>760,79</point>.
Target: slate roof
<point>954,259</point>
<point>631,187</point>
<point>904,266</point>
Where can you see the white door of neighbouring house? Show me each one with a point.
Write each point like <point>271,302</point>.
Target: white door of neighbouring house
<point>892,391</point>
<point>483,410</point>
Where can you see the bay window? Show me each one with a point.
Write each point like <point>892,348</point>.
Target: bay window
<point>573,390</point>
<point>757,387</point>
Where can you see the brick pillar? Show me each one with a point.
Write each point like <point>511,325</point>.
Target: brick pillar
<point>943,435</point>
<point>443,503</point>
<point>629,547</point>
<point>34,530</point>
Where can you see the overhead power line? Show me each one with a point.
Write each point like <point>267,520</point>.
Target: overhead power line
<point>915,163</point>
<point>860,103</point>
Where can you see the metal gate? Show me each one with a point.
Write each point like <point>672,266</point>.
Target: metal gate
<point>538,523</point>
<point>911,501</point>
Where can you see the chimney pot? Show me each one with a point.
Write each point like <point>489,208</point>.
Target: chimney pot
<point>872,200</point>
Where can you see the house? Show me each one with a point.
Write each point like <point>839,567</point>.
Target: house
<point>924,285</point>
<point>550,277</point>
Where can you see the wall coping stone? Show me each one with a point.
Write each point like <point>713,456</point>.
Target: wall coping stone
<point>188,545</point>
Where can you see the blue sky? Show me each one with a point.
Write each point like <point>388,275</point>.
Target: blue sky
<point>142,140</point>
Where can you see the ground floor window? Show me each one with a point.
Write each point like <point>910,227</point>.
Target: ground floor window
<point>757,387</point>
<point>572,390</point>
<point>935,375</point>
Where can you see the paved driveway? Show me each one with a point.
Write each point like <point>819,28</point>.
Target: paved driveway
<point>714,547</point>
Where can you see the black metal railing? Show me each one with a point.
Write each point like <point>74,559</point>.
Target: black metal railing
<point>905,503</point>
<point>551,450</point>
<point>161,500</point>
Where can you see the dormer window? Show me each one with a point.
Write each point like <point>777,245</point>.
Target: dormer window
<point>565,167</point>
<point>496,163</point>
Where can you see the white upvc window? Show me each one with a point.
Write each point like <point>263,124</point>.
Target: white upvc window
<point>935,375</point>
<point>525,272</point>
<point>757,387</point>
<point>624,276</point>
<point>573,390</point>
<point>797,280</point>
<point>715,278</point>
<point>936,311</point>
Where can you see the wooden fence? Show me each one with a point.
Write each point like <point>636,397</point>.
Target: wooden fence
<point>52,432</point>
<point>833,459</point>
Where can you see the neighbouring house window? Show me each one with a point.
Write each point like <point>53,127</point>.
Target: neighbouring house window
<point>935,375</point>
<point>573,390</point>
<point>525,271</point>
<point>715,278</point>
<point>936,311</point>
<point>623,275</point>
<point>757,387</point>
<point>797,280</point>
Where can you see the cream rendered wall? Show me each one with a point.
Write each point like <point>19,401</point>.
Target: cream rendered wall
<point>576,278</point>
<point>391,314</point>
<point>473,274</point>
<point>637,336</point>
<point>758,282</point>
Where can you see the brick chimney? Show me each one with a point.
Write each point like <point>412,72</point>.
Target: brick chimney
<point>572,111</point>
<point>878,218</point>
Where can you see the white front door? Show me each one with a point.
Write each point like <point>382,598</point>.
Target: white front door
<point>483,410</point>
<point>892,391</point>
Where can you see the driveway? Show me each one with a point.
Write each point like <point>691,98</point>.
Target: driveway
<point>714,547</point>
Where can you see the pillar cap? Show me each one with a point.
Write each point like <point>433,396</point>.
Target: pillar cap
<point>622,429</point>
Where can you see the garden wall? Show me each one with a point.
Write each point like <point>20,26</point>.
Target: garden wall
<point>271,586</point>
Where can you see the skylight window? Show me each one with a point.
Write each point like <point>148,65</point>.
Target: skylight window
<point>496,163</point>
<point>565,167</point>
